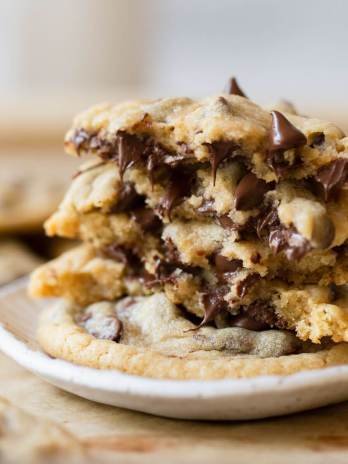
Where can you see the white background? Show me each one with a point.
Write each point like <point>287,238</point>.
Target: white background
<point>295,49</point>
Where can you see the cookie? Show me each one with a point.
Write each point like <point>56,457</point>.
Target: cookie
<point>231,215</point>
<point>15,260</point>
<point>314,312</point>
<point>149,336</point>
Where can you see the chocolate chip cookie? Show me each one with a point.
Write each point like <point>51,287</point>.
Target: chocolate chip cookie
<point>235,216</point>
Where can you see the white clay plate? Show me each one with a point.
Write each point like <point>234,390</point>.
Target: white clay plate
<point>212,400</point>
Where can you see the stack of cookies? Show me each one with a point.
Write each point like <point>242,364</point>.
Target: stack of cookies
<point>214,241</point>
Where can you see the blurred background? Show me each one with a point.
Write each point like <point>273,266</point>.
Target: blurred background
<point>56,58</point>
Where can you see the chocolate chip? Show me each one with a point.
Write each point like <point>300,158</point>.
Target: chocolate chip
<point>108,327</point>
<point>244,285</point>
<point>146,218</point>
<point>250,192</point>
<point>180,184</point>
<point>213,303</point>
<point>130,150</point>
<point>284,135</point>
<point>233,88</point>
<point>331,178</point>
<point>220,151</point>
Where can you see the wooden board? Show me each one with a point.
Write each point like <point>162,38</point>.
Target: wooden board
<point>115,435</point>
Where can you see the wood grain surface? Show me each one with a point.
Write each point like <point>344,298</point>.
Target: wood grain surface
<point>110,434</point>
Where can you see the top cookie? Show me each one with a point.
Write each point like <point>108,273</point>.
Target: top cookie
<point>177,132</point>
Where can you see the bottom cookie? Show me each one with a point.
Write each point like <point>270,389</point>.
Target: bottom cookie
<point>150,336</point>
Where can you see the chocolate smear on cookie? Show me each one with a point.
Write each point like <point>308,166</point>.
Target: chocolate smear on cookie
<point>330,178</point>
<point>220,151</point>
<point>127,198</point>
<point>213,302</point>
<point>130,150</point>
<point>250,192</point>
<point>233,88</point>
<point>180,184</point>
<point>244,285</point>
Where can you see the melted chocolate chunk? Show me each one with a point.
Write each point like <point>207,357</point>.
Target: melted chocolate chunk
<point>179,188</point>
<point>130,150</point>
<point>250,192</point>
<point>225,265</point>
<point>294,245</point>
<point>86,141</point>
<point>146,218</point>
<point>226,268</point>
<point>122,255</point>
<point>108,327</point>
<point>158,157</point>
<point>163,274</point>
<point>262,312</point>
<point>244,285</point>
<point>280,238</point>
<point>246,322</point>
<point>219,152</point>
<point>233,88</point>
<point>127,198</point>
<point>213,303</point>
<point>284,135</point>
<point>330,178</point>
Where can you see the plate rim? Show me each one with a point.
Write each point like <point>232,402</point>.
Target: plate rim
<point>119,382</point>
